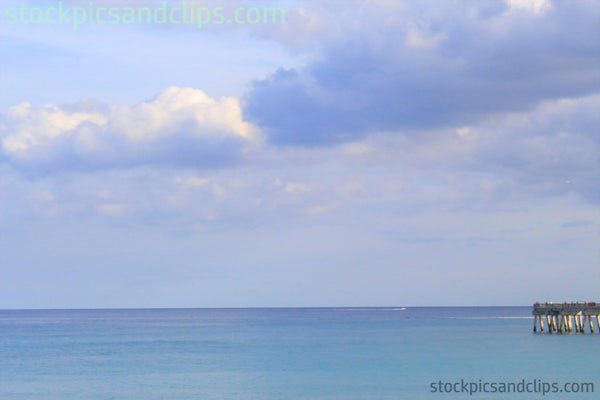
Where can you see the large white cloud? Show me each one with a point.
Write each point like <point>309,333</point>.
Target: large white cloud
<point>181,126</point>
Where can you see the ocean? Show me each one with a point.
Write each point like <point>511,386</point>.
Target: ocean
<point>291,353</point>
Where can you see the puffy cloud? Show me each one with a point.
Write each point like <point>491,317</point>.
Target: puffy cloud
<point>181,126</point>
<point>295,188</point>
<point>111,209</point>
<point>535,6</point>
<point>38,127</point>
<point>443,64</point>
<point>418,37</point>
<point>192,182</point>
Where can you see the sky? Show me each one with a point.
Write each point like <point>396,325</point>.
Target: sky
<point>359,153</point>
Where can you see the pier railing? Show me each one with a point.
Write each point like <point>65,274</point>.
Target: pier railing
<point>566,317</point>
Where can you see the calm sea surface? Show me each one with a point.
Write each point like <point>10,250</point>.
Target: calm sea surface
<point>319,353</point>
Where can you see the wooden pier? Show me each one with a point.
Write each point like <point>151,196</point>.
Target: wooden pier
<point>566,317</point>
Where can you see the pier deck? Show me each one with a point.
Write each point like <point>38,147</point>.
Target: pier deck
<point>566,317</point>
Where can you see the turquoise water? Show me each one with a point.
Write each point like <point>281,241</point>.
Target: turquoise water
<point>319,353</point>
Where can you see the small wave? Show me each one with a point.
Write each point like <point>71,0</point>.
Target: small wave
<point>487,317</point>
<point>370,309</point>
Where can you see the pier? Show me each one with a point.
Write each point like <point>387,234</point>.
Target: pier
<point>566,317</point>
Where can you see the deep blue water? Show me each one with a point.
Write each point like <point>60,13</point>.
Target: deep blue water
<point>319,353</point>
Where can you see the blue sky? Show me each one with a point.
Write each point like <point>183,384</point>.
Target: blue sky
<point>363,153</point>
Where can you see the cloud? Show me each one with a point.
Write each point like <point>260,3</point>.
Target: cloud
<point>552,150</point>
<point>111,209</point>
<point>440,66</point>
<point>535,6</point>
<point>192,182</point>
<point>578,223</point>
<point>179,127</point>
<point>295,188</point>
<point>418,37</point>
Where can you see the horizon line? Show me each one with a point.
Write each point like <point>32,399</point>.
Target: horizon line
<point>255,307</point>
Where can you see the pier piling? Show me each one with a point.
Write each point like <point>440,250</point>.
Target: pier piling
<point>560,317</point>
